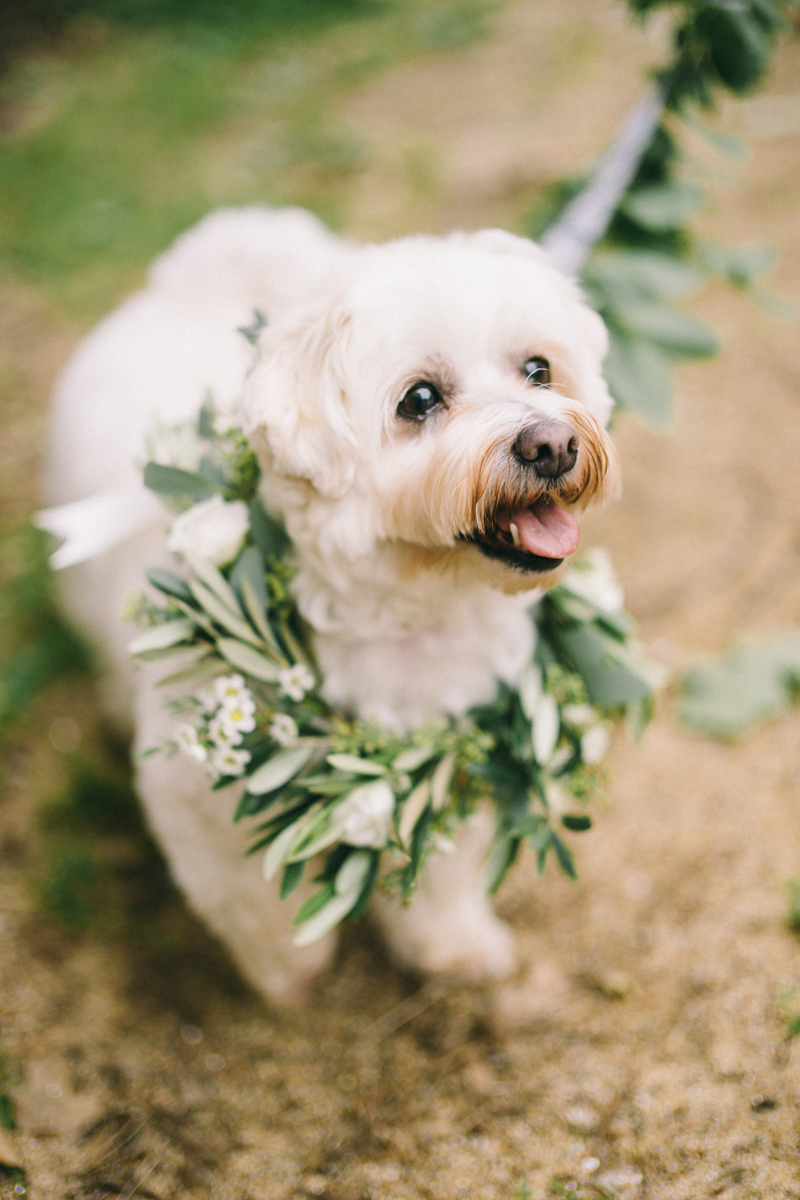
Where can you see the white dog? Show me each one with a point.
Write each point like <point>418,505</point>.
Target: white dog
<point>427,414</point>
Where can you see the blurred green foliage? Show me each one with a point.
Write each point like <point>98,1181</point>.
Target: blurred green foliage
<point>101,869</point>
<point>36,643</point>
<point>649,257</point>
<point>109,150</point>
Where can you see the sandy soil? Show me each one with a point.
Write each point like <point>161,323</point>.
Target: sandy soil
<point>641,1051</point>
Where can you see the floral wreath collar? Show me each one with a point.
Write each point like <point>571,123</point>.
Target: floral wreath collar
<point>317,782</point>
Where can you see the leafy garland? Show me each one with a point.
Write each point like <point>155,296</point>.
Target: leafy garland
<point>649,258</point>
<point>316,780</point>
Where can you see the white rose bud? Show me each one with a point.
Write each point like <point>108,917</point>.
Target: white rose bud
<point>594,744</point>
<point>214,529</point>
<point>367,814</point>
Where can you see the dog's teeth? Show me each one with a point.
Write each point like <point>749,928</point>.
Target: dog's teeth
<point>515,535</point>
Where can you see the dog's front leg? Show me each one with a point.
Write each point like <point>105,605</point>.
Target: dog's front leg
<point>449,927</point>
<point>206,854</point>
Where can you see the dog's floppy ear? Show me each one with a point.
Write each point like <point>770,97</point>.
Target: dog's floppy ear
<point>294,402</point>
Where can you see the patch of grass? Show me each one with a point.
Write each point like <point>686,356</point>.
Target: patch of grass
<point>102,869</point>
<point>164,110</point>
<point>793,915</point>
<point>36,644</point>
<point>8,1120</point>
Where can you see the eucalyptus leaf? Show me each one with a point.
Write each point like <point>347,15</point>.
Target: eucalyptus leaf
<point>172,481</point>
<point>354,765</point>
<point>742,266</point>
<point>608,682</point>
<point>292,875</point>
<point>441,779</point>
<point>639,378</point>
<point>268,533</point>
<point>500,861</point>
<point>315,902</point>
<point>277,851</point>
<point>662,206</point>
<point>413,757</point>
<point>222,614</point>
<point>625,276</point>
<point>325,920</point>
<point>159,637</point>
<point>413,807</point>
<point>203,672</point>
<point>546,726</point>
<point>352,873</point>
<point>676,332</point>
<point>213,579</point>
<point>279,769</point>
<point>169,583</point>
<point>564,856</point>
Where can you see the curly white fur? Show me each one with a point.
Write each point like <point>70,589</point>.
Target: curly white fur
<point>410,617</point>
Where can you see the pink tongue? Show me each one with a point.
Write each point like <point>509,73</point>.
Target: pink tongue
<point>546,530</point>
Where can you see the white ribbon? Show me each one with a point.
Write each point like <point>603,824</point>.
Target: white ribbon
<point>98,523</point>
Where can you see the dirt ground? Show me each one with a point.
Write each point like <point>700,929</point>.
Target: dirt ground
<point>642,1049</point>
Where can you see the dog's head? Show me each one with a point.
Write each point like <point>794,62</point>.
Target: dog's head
<point>443,394</point>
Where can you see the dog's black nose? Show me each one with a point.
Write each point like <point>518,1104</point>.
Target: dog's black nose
<point>550,447</point>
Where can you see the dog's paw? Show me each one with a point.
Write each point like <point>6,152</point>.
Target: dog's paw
<point>478,953</point>
<point>472,946</point>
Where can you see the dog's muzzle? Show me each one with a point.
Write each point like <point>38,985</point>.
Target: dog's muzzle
<point>536,537</point>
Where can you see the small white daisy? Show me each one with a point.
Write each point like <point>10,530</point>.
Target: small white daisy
<point>230,687</point>
<point>222,733</point>
<point>239,713</point>
<point>295,681</point>
<point>229,761</point>
<point>283,729</point>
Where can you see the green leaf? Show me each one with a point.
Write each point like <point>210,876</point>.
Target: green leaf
<point>250,565</point>
<point>576,822</point>
<point>325,920</point>
<point>268,533</point>
<point>216,582</point>
<point>277,851</point>
<point>597,659</point>
<point>793,1028</point>
<point>222,615</point>
<point>639,378</point>
<point>676,332</point>
<point>626,276</point>
<point>723,143</point>
<point>412,809</point>
<point>279,769</point>
<point>354,765</point>
<point>159,637</point>
<point>367,887</point>
<point>663,206</point>
<point>172,481</point>
<point>500,862</point>
<point>564,856</point>
<point>742,266</point>
<point>413,757</point>
<point>169,583</point>
<point>314,902</point>
<point>292,874</point>
<point>726,697</point>
<point>248,660</point>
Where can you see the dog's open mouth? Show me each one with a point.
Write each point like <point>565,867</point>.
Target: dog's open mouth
<point>536,538</point>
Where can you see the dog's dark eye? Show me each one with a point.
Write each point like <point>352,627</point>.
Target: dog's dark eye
<point>537,371</point>
<point>418,401</point>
